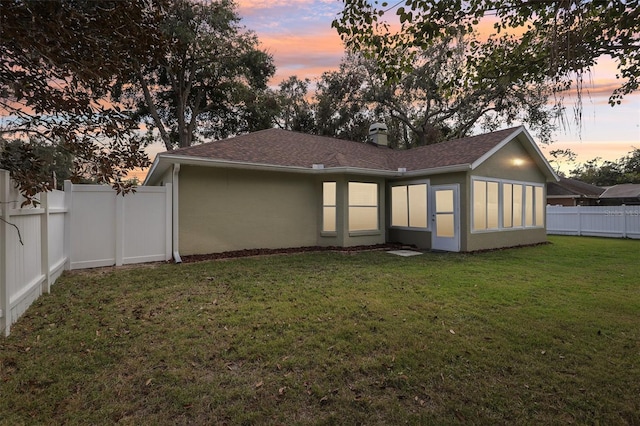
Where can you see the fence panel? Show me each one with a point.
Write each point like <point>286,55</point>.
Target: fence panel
<point>109,229</point>
<point>598,221</point>
<point>32,251</point>
<point>84,226</point>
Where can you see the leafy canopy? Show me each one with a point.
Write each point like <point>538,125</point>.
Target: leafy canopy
<point>57,62</point>
<point>558,41</point>
<point>209,80</point>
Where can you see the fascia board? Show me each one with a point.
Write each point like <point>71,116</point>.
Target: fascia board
<point>437,170</point>
<point>163,161</point>
<point>207,162</point>
<point>154,166</point>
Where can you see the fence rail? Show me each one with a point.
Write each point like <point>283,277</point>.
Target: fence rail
<point>597,221</point>
<point>84,226</point>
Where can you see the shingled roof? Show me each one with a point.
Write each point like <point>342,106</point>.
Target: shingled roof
<point>287,148</point>
<point>573,188</point>
<point>303,152</point>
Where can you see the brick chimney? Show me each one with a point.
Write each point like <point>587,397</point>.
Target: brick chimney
<point>378,134</point>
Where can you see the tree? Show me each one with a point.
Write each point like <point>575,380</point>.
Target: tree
<point>57,62</point>
<point>37,160</point>
<point>559,156</point>
<point>437,99</point>
<point>631,166</point>
<point>441,96</point>
<point>209,80</point>
<point>295,111</point>
<point>557,41</point>
<point>343,107</point>
<point>608,173</point>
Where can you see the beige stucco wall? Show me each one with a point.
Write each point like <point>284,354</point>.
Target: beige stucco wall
<point>229,209</point>
<point>502,166</point>
<point>499,166</point>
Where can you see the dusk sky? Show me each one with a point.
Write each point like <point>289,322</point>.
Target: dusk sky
<point>298,34</point>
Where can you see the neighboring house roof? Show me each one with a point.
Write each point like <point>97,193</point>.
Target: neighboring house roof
<point>571,188</point>
<point>299,151</point>
<point>627,190</point>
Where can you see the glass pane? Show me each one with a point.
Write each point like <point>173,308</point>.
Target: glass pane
<point>517,205</point>
<point>444,225</point>
<point>399,206</point>
<point>418,206</point>
<point>507,205</point>
<point>444,200</point>
<point>539,206</point>
<point>329,193</point>
<point>528,205</point>
<point>363,218</point>
<point>492,205</point>
<point>329,219</point>
<point>479,204</point>
<point>363,194</point>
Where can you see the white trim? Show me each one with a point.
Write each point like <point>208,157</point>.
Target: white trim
<point>391,185</point>
<point>501,183</point>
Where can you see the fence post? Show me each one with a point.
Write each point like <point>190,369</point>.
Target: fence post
<point>5,303</point>
<point>624,220</point>
<point>119,240</point>
<point>44,243</point>
<point>68,205</point>
<point>579,221</point>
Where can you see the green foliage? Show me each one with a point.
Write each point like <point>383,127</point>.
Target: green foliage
<point>343,107</point>
<point>36,161</point>
<point>557,41</point>
<point>295,111</point>
<point>57,61</point>
<point>608,173</point>
<point>208,81</point>
<point>333,338</point>
<point>437,99</point>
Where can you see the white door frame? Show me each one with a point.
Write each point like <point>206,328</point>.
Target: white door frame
<point>443,239</point>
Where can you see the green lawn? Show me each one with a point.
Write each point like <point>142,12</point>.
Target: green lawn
<point>537,335</point>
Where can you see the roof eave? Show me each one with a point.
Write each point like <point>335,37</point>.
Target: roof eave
<point>163,161</point>
<point>166,159</point>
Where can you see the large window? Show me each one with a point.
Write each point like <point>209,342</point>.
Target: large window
<point>505,205</point>
<point>363,206</point>
<point>485,205</point>
<point>329,206</point>
<point>409,205</point>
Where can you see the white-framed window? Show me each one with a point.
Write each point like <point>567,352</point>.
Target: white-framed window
<point>409,205</point>
<point>500,204</point>
<point>328,206</point>
<point>363,206</point>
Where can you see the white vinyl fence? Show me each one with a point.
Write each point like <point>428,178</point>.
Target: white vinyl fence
<point>597,221</point>
<point>84,226</point>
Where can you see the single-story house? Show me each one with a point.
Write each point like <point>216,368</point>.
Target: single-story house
<point>571,192</point>
<point>281,189</point>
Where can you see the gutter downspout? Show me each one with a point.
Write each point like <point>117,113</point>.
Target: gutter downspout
<point>174,206</point>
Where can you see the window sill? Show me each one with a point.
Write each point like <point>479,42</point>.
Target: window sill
<point>409,228</point>
<point>364,233</point>
<point>515,228</point>
<point>328,234</point>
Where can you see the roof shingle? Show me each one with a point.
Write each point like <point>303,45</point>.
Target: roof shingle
<point>286,148</point>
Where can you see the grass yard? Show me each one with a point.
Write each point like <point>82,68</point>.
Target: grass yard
<point>537,335</point>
